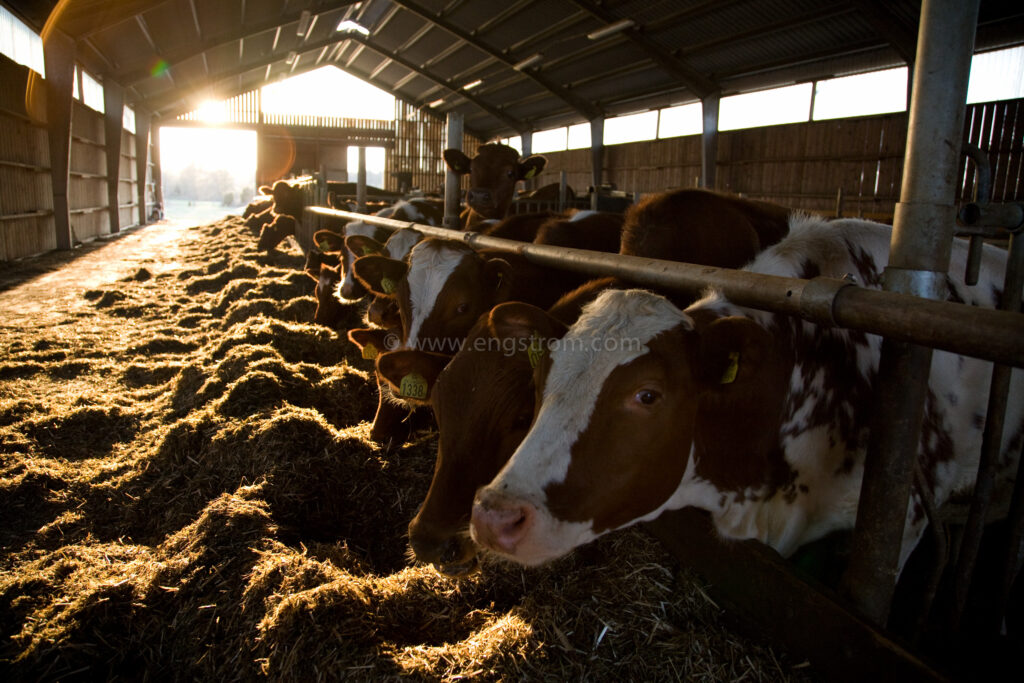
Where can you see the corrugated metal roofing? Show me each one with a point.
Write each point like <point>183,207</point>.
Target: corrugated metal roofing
<point>675,51</point>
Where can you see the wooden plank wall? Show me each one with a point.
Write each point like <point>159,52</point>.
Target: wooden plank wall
<point>419,144</point>
<point>26,200</point>
<point>806,165</point>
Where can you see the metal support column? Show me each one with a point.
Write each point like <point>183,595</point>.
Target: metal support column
<point>361,181</point>
<point>596,157</point>
<point>142,128</point>
<point>451,180</point>
<point>59,60</point>
<point>709,139</point>
<point>158,184</point>
<point>113,124</point>
<point>919,259</point>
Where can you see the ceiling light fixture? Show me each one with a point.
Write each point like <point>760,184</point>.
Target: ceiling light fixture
<point>474,84</point>
<point>348,26</point>
<point>436,103</point>
<point>528,62</point>
<point>611,29</point>
<point>304,20</point>
<point>292,56</point>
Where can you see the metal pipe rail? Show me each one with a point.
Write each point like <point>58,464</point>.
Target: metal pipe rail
<point>979,332</point>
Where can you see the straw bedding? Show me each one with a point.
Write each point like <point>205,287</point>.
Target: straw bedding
<point>189,492</point>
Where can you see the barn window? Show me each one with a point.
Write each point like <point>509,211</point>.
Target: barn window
<point>791,104</point>
<point>92,92</point>
<point>128,119</point>
<point>21,43</point>
<point>878,92</point>
<point>374,165</point>
<point>553,140</point>
<point>631,128</point>
<point>685,119</point>
<point>328,91</point>
<point>515,143</point>
<point>997,75</point>
<point>579,136</point>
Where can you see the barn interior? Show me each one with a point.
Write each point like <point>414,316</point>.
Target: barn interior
<point>208,364</point>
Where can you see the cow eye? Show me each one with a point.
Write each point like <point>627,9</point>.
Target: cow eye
<point>461,308</point>
<point>647,397</point>
<point>511,173</point>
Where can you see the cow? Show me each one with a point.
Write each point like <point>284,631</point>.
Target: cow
<point>482,401</point>
<point>760,419</point>
<point>493,175</point>
<point>260,202</point>
<point>323,265</point>
<point>275,231</point>
<point>446,285</point>
<point>716,228</point>
<point>477,437</point>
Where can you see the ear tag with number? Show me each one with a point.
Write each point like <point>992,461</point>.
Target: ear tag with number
<point>369,352</point>
<point>413,386</point>
<point>729,376</point>
<point>387,285</point>
<point>536,351</point>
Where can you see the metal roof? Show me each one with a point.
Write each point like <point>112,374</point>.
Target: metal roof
<point>170,54</point>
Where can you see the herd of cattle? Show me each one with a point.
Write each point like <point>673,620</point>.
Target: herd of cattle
<point>568,408</point>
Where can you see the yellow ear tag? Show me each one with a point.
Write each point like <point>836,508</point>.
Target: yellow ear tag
<point>413,386</point>
<point>368,250</point>
<point>387,285</point>
<point>535,352</point>
<point>729,376</point>
<point>369,352</point>
<point>529,174</point>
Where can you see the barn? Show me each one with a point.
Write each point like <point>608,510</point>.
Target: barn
<point>215,465</point>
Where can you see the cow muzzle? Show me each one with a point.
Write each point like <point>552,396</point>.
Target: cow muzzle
<point>499,522</point>
<point>452,554</point>
<point>482,201</point>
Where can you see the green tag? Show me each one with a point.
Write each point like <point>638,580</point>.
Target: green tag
<point>370,352</point>
<point>529,174</point>
<point>729,376</point>
<point>387,285</point>
<point>413,386</point>
<point>536,350</point>
<point>368,250</point>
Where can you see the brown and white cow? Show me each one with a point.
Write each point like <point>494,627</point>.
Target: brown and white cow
<point>493,175</point>
<point>759,418</point>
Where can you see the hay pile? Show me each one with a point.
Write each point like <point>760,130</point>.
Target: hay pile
<point>188,492</point>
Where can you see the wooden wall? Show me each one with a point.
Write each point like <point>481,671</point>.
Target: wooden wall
<point>26,201</point>
<point>807,165</point>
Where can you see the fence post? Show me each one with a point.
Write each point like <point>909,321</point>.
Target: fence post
<point>451,180</point>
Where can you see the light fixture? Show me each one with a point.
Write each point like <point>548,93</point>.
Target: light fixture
<point>348,26</point>
<point>436,103</point>
<point>304,19</point>
<point>474,84</point>
<point>292,56</point>
<point>611,29</point>
<point>528,62</point>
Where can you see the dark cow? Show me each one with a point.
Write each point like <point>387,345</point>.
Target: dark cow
<point>275,231</point>
<point>493,175</point>
<point>759,418</point>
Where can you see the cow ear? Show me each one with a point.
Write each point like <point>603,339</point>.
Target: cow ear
<point>380,274</point>
<point>372,341</point>
<point>498,277</point>
<point>518,320</point>
<point>411,373</point>
<point>457,161</point>
<point>732,352</point>
<point>361,245</point>
<point>531,166</point>
<point>266,189</point>
<point>328,241</point>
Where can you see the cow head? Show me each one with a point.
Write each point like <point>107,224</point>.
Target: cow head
<point>288,199</point>
<point>440,292</point>
<point>274,232</point>
<point>493,174</point>
<point>639,400</point>
<point>483,401</point>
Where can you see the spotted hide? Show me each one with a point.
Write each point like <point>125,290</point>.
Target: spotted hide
<point>759,418</point>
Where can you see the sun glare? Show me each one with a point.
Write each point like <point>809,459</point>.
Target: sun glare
<point>328,91</point>
<point>212,111</point>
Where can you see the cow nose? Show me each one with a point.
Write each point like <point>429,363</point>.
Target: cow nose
<point>499,522</point>
<point>479,198</point>
<point>352,289</point>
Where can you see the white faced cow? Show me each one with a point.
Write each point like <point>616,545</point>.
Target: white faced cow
<point>759,418</point>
